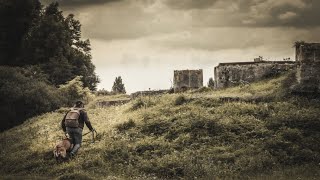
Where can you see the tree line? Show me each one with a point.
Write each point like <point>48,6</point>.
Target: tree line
<point>44,62</point>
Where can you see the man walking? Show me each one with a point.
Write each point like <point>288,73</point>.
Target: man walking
<point>73,123</point>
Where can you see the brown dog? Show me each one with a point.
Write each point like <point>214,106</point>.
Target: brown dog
<point>61,149</point>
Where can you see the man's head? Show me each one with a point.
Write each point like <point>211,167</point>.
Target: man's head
<point>79,104</point>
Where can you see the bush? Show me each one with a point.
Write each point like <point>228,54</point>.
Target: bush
<point>202,89</point>
<point>103,92</point>
<point>73,90</point>
<point>180,100</point>
<point>155,127</point>
<point>137,104</point>
<point>22,96</point>
<point>126,125</point>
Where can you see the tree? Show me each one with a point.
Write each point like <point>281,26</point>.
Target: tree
<point>73,90</point>
<point>118,86</point>
<point>16,18</point>
<point>211,83</point>
<point>54,43</point>
<point>24,94</point>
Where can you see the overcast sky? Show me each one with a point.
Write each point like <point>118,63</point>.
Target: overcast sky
<point>143,41</point>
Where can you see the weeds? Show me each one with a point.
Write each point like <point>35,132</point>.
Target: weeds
<point>180,100</point>
<point>126,125</point>
<point>181,136</point>
<point>137,104</point>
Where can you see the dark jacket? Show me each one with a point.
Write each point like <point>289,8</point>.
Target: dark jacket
<point>83,119</point>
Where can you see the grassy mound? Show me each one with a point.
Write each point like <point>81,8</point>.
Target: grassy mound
<point>256,130</point>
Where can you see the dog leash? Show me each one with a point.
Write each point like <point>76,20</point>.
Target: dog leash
<point>93,131</point>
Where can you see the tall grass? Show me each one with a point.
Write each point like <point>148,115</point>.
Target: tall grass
<point>190,135</point>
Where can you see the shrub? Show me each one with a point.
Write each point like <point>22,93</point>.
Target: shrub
<point>126,125</point>
<point>202,89</point>
<point>137,104</point>
<point>104,92</point>
<point>22,96</point>
<point>155,127</point>
<point>73,90</point>
<point>180,100</point>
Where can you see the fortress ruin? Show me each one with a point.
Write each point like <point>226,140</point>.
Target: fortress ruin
<point>308,67</point>
<point>187,79</point>
<point>237,73</point>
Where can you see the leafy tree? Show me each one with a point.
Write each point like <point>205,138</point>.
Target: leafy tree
<point>73,90</point>
<point>24,94</point>
<point>47,52</point>
<point>16,18</point>
<point>118,86</point>
<point>55,44</point>
<point>211,83</point>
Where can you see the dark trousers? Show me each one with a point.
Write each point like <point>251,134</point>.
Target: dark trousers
<point>76,138</point>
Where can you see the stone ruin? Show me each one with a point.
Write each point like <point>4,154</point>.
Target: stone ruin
<point>103,104</point>
<point>149,93</point>
<point>187,79</point>
<point>308,67</point>
<point>232,74</point>
<point>240,73</point>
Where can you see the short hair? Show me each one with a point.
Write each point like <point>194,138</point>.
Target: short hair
<point>78,103</point>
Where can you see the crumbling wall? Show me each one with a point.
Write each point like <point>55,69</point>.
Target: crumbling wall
<point>308,70</point>
<point>187,79</point>
<point>148,93</point>
<point>103,104</point>
<point>233,74</point>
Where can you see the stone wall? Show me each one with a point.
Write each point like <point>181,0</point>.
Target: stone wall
<point>308,70</point>
<point>148,93</point>
<point>103,104</point>
<point>187,79</point>
<point>233,74</point>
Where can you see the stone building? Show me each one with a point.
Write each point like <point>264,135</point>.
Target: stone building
<point>308,70</point>
<point>187,79</point>
<point>237,73</point>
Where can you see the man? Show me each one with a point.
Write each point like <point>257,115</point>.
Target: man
<point>73,123</point>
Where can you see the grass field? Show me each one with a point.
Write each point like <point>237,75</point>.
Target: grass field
<point>256,131</point>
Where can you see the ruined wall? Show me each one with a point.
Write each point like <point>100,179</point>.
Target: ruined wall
<point>187,79</point>
<point>233,74</point>
<point>103,104</point>
<point>308,70</point>
<point>148,93</point>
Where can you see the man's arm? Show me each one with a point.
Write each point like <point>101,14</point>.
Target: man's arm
<point>63,126</point>
<point>86,120</point>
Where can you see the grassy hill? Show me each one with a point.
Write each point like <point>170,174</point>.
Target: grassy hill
<point>252,131</point>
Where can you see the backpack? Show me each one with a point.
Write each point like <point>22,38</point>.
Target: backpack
<point>72,118</point>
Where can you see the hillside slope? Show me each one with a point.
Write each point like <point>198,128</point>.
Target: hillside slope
<point>256,131</point>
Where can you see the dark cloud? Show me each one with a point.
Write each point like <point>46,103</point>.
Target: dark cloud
<point>292,13</point>
<point>77,3</point>
<point>133,19</point>
<point>190,4</point>
<point>256,13</point>
<point>310,16</point>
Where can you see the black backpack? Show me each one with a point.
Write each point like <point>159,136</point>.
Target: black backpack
<point>72,118</point>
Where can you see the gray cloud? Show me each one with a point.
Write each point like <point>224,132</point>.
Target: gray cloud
<point>190,4</point>
<point>78,3</point>
<point>156,36</point>
<point>212,25</point>
<point>293,13</point>
<point>259,13</point>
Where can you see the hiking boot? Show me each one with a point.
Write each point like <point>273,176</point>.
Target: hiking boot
<point>71,155</point>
